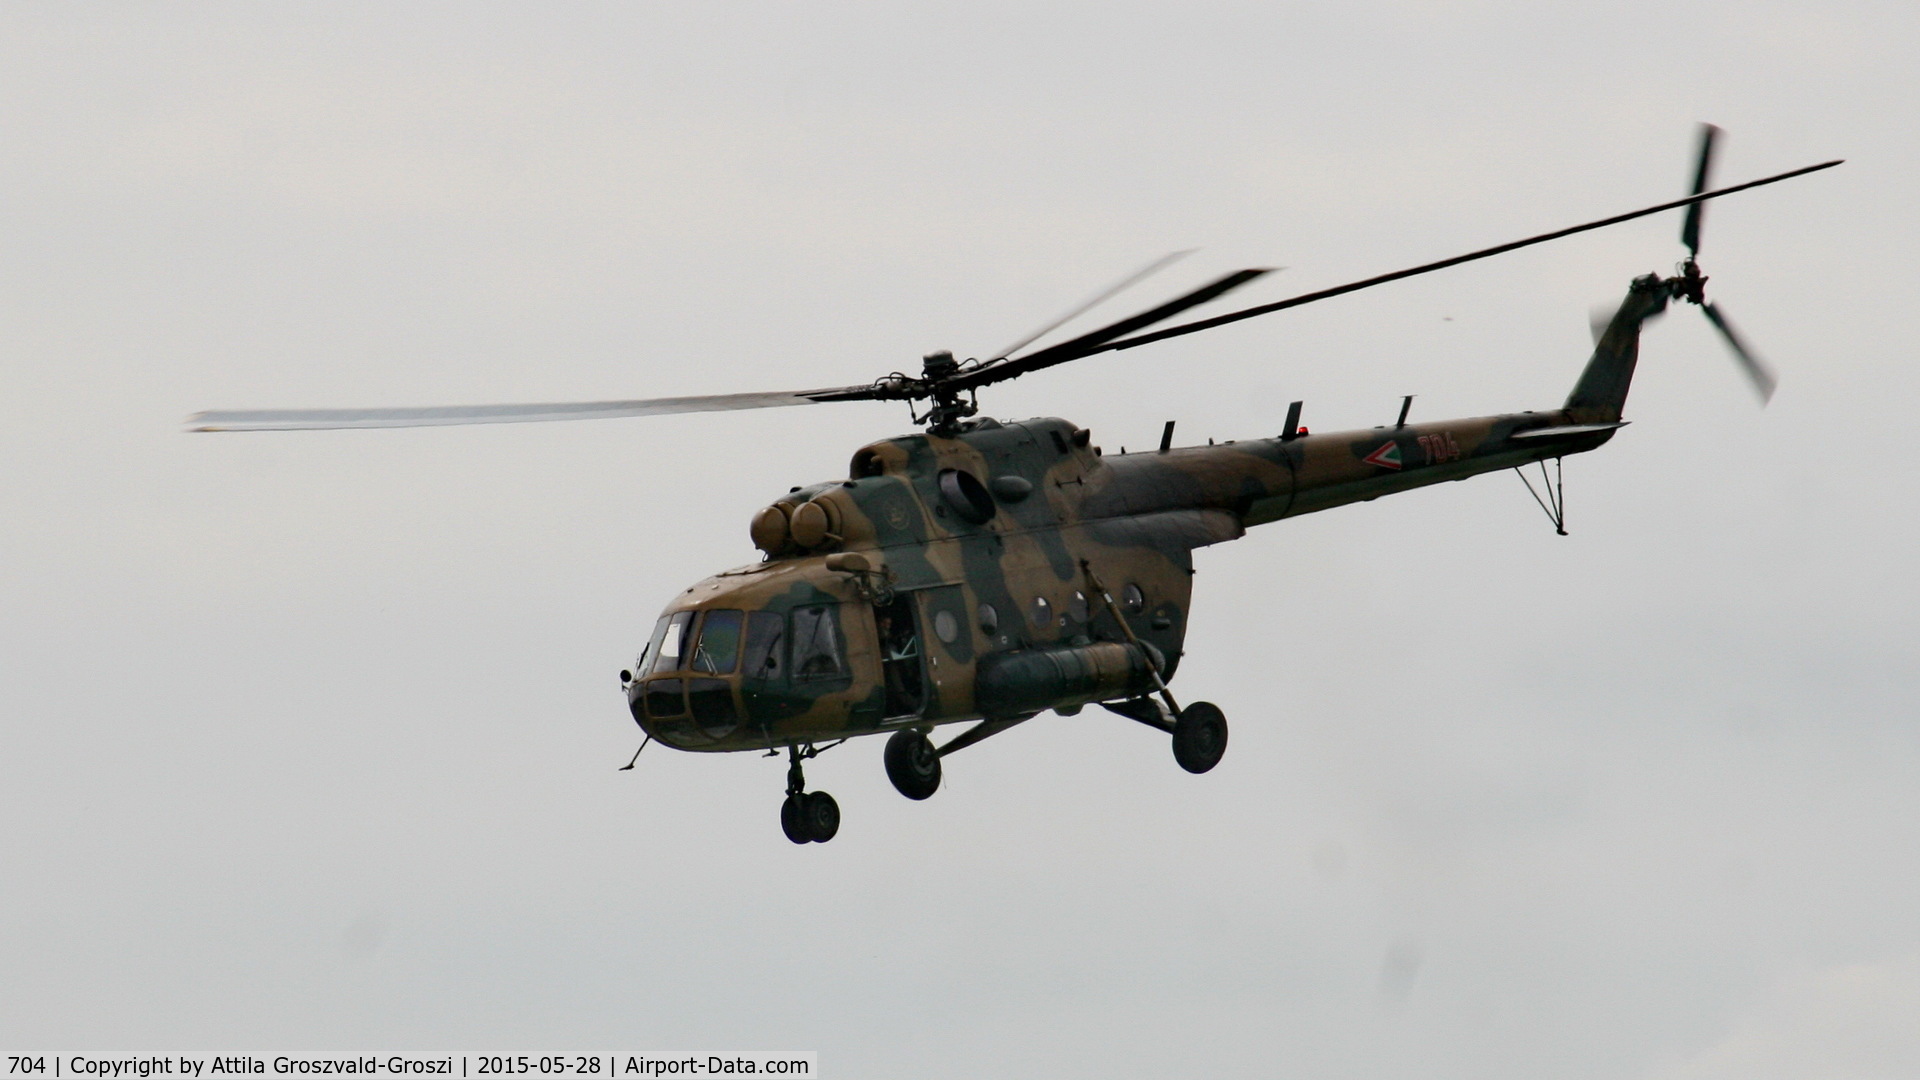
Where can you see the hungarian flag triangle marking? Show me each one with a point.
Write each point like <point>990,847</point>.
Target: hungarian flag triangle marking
<point>1387,457</point>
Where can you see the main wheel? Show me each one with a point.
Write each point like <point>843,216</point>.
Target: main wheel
<point>912,764</point>
<point>822,815</point>
<point>1199,736</point>
<point>793,819</point>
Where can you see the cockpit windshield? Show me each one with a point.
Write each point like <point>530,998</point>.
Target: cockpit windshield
<point>718,649</point>
<point>715,643</point>
<point>669,639</point>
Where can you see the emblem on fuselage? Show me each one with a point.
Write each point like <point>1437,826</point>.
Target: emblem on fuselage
<point>1387,457</point>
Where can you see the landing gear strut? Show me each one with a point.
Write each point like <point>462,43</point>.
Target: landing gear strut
<point>1199,731</point>
<point>913,762</point>
<point>806,816</point>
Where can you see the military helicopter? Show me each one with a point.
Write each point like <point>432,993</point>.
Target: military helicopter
<point>987,571</point>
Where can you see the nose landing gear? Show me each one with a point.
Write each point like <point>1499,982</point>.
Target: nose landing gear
<point>807,816</point>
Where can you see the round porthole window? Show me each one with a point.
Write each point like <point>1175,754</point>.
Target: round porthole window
<point>1134,600</point>
<point>989,620</point>
<point>1041,612</point>
<point>1077,607</point>
<point>945,626</point>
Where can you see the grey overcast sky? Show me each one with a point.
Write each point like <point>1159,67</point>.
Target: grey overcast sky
<point>311,738</point>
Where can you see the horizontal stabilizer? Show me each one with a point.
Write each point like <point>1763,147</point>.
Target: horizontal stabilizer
<point>1568,430</point>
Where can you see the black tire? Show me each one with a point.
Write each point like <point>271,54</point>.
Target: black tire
<point>823,816</point>
<point>1199,736</point>
<point>793,819</point>
<point>912,764</point>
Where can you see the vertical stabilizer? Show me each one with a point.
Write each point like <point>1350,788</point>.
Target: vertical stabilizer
<point>1601,393</point>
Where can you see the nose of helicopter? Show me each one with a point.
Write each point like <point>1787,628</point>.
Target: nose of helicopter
<point>684,710</point>
<point>682,689</point>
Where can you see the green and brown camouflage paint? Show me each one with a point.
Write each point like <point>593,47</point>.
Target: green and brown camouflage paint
<point>982,536</point>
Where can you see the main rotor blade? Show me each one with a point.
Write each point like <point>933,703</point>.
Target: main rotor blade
<point>1755,369</point>
<point>438,416</point>
<point>1099,298</point>
<point>1323,294</point>
<point>1690,232</point>
<point>1094,341</point>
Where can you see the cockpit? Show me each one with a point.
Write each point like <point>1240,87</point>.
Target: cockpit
<point>705,673</point>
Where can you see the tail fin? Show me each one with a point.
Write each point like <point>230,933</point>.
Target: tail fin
<point>1601,393</point>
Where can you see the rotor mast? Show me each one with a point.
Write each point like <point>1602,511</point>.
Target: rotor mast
<point>948,409</point>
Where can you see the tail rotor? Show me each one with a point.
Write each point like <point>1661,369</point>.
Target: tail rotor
<point>1702,172</point>
<point>1689,284</point>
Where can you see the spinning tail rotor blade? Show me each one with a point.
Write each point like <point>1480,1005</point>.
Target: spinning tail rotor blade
<point>1703,169</point>
<point>445,415</point>
<point>1755,369</point>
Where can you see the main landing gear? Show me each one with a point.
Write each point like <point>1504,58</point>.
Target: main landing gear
<point>913,764</point>
<point>807,816</point>
<point>1199,736</point>
<point>1199,731</point>
<point>1199,742</point>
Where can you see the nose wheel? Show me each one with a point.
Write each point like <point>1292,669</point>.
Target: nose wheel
<point>810,817</point>
<point>807,817</point>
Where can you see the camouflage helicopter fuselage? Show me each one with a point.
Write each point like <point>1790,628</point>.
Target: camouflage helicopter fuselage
<point>952,577</point>
<point>988,571</point>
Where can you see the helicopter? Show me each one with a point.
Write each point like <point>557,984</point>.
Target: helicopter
<point>983,571</point>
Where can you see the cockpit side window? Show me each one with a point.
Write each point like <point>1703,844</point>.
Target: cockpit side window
<point>766,640</point>
<point>671,640</point>
<point>644,664</point>
<point>718,649</point>
<point>817,649</point>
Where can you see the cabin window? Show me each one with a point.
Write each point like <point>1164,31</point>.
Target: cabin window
<point>989,620</point>
<point>1134,599</point>
<point>1077,607</point>
<point>670,638</point>
<point>1041,611</point>
<point>946,627</point>
<point>817,652</point>
<point>719,646</point>
<point>666,697</point>
<point>766,636</point>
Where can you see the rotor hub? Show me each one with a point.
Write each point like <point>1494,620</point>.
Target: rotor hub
<point>1688,283</point>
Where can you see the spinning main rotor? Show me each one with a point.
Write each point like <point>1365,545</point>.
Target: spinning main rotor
<point>950,387</point>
